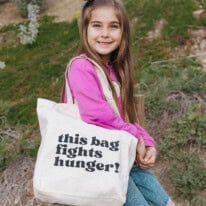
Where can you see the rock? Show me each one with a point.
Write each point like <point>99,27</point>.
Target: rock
<point>199,13</point>
<point>158,26</point>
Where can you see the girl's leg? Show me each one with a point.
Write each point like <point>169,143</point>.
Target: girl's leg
<point>150,187</point>
<point>134,196</point>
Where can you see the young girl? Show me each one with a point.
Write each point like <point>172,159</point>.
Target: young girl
<point>105,38</point>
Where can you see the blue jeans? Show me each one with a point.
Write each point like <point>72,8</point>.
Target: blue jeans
<point>144,189</point>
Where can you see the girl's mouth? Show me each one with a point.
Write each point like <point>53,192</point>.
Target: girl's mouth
<point>104,43</point>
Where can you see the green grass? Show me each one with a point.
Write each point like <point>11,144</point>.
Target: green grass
<point>36,70</point>
<point>157,80</point>
<point>177,13</point>
<point>188,176</point>
<point>175,87</point>
<point>32,71</point>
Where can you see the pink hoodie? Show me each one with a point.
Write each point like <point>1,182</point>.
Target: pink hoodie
<point>94,109</point>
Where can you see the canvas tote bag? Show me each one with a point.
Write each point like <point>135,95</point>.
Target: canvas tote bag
<point>78,163</point>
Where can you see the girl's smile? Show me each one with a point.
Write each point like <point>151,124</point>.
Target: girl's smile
<point>104,31</point>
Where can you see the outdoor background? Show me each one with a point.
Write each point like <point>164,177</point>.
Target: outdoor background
<point>169,51</point>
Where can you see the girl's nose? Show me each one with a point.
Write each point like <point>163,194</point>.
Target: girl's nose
<point>105,32</point>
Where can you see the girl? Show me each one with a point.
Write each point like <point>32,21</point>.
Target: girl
<point>105,38</point>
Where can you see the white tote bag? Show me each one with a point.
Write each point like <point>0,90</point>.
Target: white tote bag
<point>78,163</point>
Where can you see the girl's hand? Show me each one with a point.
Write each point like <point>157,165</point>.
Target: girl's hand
<point>150,157</point>
<point>146,156</point>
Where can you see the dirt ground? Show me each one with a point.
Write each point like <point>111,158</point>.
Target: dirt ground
<point>63,10</point>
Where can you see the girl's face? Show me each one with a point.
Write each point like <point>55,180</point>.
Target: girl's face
<point>104,32</point>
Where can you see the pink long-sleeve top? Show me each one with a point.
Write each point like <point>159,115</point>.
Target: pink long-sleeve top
<point>94,109</point>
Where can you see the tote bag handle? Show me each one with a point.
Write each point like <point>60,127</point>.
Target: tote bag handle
<point>102,78</point>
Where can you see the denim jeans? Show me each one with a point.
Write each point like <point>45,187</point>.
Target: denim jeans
<point>144,189</point>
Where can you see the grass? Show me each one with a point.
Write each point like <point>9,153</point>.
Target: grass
<point>172,87</point>
<point>159,80</point>
<point>31,72</point>
<point>177,13</point>
<point>36,70</point>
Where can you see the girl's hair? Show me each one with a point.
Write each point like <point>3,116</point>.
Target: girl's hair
<point>120,58</point>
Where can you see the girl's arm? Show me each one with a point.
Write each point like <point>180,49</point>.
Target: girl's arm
<point>87,92</point>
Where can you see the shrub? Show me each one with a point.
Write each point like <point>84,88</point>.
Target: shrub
<point>188,175</point>
<point>28,34</point>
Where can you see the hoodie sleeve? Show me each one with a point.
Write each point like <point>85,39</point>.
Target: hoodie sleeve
<point>94,109</point>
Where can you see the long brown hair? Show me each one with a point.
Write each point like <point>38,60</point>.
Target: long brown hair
<point>120,58</point>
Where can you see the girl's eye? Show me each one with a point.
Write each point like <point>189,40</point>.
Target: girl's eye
<point>96,25</point>
<point>115,26</point>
